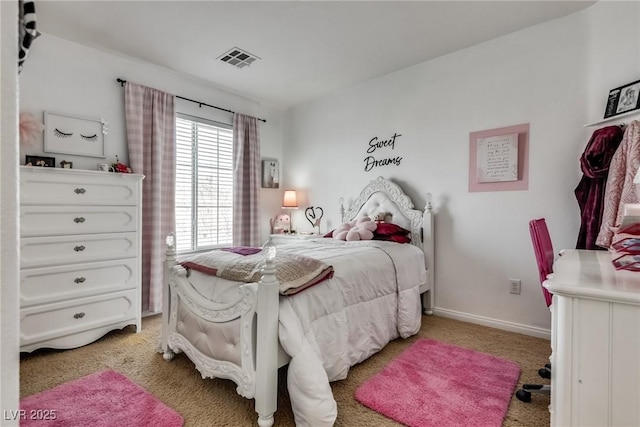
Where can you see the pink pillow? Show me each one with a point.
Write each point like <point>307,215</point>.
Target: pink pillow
<point>360,229</point>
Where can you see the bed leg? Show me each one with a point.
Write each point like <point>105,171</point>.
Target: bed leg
<point>267,341</point>
<point>168,355</point>
<point>425,298</point>
<point>265,421</point>
<point>169,262</point>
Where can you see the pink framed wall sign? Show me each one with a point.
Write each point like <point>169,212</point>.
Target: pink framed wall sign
<point>499,159</point>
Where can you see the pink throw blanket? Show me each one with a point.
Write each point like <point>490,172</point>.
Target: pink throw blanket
<point>294,272</point>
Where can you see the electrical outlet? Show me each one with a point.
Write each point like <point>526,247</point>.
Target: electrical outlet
<point>514,286</point>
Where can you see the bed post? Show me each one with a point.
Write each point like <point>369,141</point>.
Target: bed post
<point>267,340</point>
<point>428,298</point>
<point>169,262</point>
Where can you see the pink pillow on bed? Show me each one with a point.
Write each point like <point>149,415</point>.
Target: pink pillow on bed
<point>358,229</point>
<point>391,232</point>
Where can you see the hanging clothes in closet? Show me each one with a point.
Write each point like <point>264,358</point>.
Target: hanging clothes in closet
<point>620,189</point>
<point>594,163</point>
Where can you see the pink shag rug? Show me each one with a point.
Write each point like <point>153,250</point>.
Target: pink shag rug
<point>437,384</point>
<point>103,399</point>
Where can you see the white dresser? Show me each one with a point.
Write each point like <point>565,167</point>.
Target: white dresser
<point>79,255</point>
<point>595,378</point>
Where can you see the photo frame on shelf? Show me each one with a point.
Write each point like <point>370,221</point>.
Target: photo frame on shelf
<point>270,173</point>
<point>80,136</point>
<point>40,161</point>
<point>623,99</point>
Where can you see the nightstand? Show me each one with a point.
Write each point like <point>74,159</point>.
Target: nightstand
<point>282,239</point>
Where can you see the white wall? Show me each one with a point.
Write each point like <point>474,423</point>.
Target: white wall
<point>74,79</point>
<point>555,76</point>
<point>9,361</point>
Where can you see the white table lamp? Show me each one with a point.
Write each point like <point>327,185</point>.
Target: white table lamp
<point>290,201</point>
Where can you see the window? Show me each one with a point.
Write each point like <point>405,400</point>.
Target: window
<point>204,184</point>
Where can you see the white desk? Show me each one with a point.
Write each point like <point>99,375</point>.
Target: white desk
<point>595,342</point>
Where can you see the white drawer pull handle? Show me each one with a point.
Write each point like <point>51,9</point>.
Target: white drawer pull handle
<point>79,315</point>
<point>79,279</point>
<point>79,248</point>
<point>79,191</point>
<point>78,219</point>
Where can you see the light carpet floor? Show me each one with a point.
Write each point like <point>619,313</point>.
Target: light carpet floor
<point>213,403</point>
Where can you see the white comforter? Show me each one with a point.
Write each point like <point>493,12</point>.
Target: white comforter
<point>373,298</point>
<point>342,321</point>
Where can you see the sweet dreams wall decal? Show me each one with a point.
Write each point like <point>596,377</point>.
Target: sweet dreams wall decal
<point>376,143</point>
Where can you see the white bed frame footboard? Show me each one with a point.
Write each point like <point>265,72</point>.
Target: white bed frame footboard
<point>253,360</point>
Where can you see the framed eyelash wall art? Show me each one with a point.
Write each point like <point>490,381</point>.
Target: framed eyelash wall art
<point>81,136</point>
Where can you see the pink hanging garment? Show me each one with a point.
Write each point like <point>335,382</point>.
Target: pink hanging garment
<point>620,189</point>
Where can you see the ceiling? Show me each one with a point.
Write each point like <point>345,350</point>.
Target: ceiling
<point>307,49</point>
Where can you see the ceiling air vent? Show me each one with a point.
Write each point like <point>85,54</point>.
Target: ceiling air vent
<point>237,57</point>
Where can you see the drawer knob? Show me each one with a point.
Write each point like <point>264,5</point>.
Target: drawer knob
<point>79,248</point>
<point>79,315</point>
<point>79,191</point>
<point>79,279</point>
<point>78,219</point>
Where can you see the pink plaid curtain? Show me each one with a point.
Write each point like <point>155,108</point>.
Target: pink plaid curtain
<point>246,181</point>
<point>151,136</point>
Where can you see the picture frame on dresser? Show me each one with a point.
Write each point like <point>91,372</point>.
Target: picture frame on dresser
<point>40,161</point>
<point>77,135</point>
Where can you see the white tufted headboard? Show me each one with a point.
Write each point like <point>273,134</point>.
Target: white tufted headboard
<point>383,196</point>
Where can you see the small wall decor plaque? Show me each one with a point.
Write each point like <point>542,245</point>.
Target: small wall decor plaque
<point>499,159</point>
<point>623,99</point>
<point>270,173</point>
<point>80,136</point>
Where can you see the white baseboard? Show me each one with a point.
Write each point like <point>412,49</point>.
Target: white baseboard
<point>494,323</point>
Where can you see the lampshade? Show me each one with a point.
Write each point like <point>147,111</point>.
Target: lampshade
<point>290,200</point>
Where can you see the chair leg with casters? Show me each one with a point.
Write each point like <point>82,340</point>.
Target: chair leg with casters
<point>524,394</point>
<point>545,372</point>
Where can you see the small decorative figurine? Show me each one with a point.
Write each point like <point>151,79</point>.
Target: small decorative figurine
<point>313,217</point>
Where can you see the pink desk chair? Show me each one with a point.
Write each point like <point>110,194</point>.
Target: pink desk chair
<point>543,250</point>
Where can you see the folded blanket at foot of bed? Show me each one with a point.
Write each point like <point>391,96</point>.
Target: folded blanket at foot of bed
<point>295,273</point>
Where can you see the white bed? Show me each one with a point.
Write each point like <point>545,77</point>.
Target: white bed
<point>246,332</point>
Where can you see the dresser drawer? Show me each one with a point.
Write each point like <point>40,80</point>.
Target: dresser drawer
<point>60,319</point>
<point>77,188</point>
<point>51,284</point>
<point>60,250</point>
<point>57,220</point>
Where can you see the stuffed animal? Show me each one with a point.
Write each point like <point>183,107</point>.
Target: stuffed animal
<point>379,217</point>
<point>358,229</point>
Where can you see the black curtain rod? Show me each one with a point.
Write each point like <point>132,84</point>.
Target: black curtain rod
<point>122,82</point>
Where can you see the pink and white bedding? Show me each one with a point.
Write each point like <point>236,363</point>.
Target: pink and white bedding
<point>372,298</point>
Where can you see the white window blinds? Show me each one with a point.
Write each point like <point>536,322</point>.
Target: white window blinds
<point>204,183</point>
